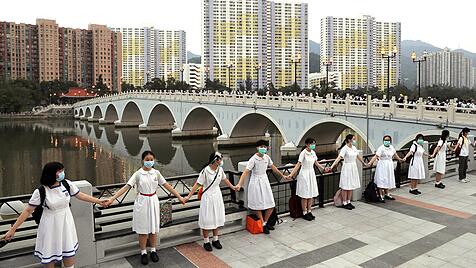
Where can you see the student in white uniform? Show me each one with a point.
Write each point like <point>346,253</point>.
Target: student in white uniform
<point>306,187</point>
<point>463,146</point>
<point>146,212</point>
<point>211,215</point>
<point>416,170</point>
<point>56,236</point>
<point>349,175</point>
<point>439,165</point>
<point>260,195</point>
<point>385,172</point>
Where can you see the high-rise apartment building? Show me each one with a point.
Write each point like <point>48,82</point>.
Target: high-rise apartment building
<point>288,44</point>
<point>150,53</point>
<point>354,45</point>
<point>193,75</point>
<point>19,51</point>
<point>447,68</point>
<point>46,51</point>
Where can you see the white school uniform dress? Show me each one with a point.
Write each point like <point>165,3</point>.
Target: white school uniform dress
<point>440,158</point>
<point>349,175</point>
<point>306,179</point>
<point>384,172</point>
<point>260,195</point>
<point>212,209</point>
<point>146,212</point>
<point>416,170</point>
<point>56,238</point>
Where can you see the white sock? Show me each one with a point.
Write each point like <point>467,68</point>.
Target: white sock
<point>304,212</point>
<point>215,238</point>
<point>348,201</point>
<point>206,240</point>
<point>438,182</point>
<point>143,251</point>
<point>153,249</point>
<point>345,202</point>
<point>264,223</point>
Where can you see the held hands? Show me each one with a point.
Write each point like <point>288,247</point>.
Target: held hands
<point>237,187</point>
<point>105,203</point>
<point>9,235</point>
<point>328,170</point>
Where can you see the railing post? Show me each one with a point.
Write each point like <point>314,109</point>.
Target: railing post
<point>347,103</point>
<point>311,100</point>
<point>295,98</point>
<point>243,195</point>
<point>320,183</point>
<point>369,104</point>
<point>472,162</point>
<point>451,110</point>
<point>84,221</point>
<point>420,109</point>
<point>280,99</point>
<point>329,101</point>
<point>357,193</point>
<point>393,106</point>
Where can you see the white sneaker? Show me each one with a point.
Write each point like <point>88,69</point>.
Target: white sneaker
<point>463,181</point>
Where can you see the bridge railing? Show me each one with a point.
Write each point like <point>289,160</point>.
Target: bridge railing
<point>449,113</point>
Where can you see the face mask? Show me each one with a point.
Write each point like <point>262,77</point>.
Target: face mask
<point>354,142</point>
<point>262,150</point>
<point>60,176</point>
<point>420,141</point>
<point>222,163</point>
<point>386,143</point>
<point>312,147</point>
<point>148,164</point>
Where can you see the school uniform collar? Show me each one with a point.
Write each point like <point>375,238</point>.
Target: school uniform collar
<point>144,172</point>
<point>210,171</point>
<point>257,157</point>
<point>309,152</point>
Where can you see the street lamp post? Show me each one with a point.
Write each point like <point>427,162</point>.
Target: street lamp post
<point>390,55</point>
<point>328,64</point>
<point>229,66</point>
<point>182,69</point>
<point>257,68</point>
<point>148,73</point>
<point>419,61</point>
<point>296,60</point>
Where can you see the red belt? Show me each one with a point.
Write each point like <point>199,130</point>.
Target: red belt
<point>149,195</point>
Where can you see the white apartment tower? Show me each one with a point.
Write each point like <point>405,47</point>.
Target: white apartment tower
<point>149,53</point>
<point>354,47</point>
<point>447,68</point>
<point>254,40</point>
<point>288,44</point>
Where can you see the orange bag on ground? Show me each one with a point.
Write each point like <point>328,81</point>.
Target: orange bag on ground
<point>253,224</point>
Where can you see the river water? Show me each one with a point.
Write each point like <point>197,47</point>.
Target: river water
<point>100,154</point>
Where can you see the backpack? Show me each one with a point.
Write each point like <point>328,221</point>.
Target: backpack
<point>295,208</point>
<point>38,212</point>
<point>338,198</point>
<point>370,193</point>
<point>458,148</point>
<point>410,158</point>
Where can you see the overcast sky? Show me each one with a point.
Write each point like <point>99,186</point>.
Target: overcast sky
<point>444,24</point>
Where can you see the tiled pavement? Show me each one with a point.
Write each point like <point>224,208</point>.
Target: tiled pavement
<point>435,229</point>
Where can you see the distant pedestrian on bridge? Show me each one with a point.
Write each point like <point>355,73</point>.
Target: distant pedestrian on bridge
<point>349,175</point>
<point>211,215</point>
<point>146,212</point>
<point>306,187</point>
<point>416,170</point>
<point>56,236</point>
<point>385,170</point>
<point>439,154</point>
<point>260,195</point>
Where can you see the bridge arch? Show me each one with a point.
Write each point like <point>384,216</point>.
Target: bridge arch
<point>97,112</point>
<point>111,135</point>
<point>201,118</point>
<point>433,133</point>
<point>76,112</point>
<point>132,114</point>
<point>81,112</point>
<point>111,114</point>
<point>261,122</point>
<point>161,115</point>
<point>327,131</point>
<point>88,113</point>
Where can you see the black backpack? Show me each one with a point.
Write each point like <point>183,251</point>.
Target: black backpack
<point>370,193</point>
<point>410,158</point>
<point>295,209</point>
<point>273,219</point>
<point>39,209</point>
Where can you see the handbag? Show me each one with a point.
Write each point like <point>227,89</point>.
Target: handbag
<point>201,191</point>
<point>165,212</point>
<point>253,224</point>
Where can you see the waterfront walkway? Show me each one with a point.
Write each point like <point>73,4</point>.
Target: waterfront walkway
<point>437,228</point>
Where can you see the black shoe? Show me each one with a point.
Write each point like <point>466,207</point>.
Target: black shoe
<point>380,200</point>
<point>440,185</point>
<point>265,229</point>
<point>415,192</point>
<point>388,197</point>
<point>312,216</point>
<point>418,192</point>
<point>307,217</point>
<point>217,244</point>
<point>144,259</point>
<point>208,246</point>
<point>154,256</point>
<point>271,228</point>
<point>350,205</point>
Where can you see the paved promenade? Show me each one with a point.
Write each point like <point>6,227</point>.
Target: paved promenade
<point>435,229</point>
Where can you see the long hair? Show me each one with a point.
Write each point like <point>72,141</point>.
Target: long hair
<point>444,135</point>
<point>48,176</point>
<point>348,138</point>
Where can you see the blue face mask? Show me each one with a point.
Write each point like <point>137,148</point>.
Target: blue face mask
<point>262,150</point>
<point>149,164</point>
<point>386,143</point>
<point>354,142</point>
<point>222,163</point>
<point>312,147</point>
<point>60,176</point>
